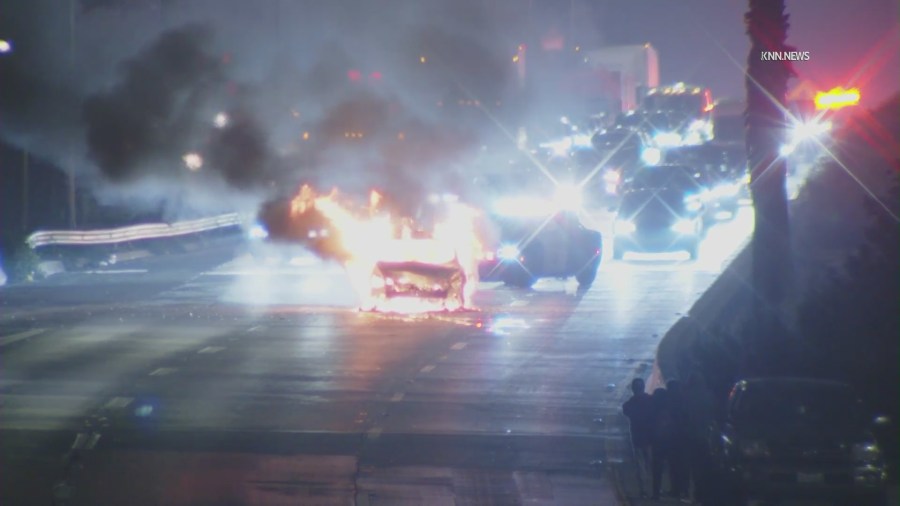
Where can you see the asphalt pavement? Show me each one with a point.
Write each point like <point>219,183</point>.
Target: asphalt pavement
<point>218,378</point>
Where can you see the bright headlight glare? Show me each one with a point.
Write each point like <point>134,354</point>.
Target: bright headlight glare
<point>651,156</point>
<point>625,227</point>
<point>508,252</point>
<point>568,196</point>
<point>258,232</point>
<point>612,176</point>
<point>684,227</point>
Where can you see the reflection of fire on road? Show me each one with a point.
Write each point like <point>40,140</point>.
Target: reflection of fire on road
<point>397,264</point>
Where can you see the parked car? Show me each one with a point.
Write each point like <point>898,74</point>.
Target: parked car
<point>796,438</point>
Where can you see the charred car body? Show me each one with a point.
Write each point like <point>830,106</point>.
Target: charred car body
<point>420,269</point>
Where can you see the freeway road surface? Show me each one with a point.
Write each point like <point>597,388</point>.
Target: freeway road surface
<point>212,378</point>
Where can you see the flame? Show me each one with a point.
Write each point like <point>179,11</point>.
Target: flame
<point>369,237</point>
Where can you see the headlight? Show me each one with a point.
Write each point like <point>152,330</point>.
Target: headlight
<point>651,156</point>
<point>625,227</point>
<point>612,176</point>
<point>508,252</point>
<point>258,231</point>
<point>685,227</point>
<point>866,453</point>
<point>568,196</point>
<point>755,449</point>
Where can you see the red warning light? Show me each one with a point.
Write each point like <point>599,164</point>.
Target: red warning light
<point>354,75</point>
<point>375,76</point>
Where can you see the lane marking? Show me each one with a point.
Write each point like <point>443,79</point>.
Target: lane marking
<point>427,368</point>
<point>163,371</point>
<point>255,328</point>
<point>212,349</point>
<point>442,357</point>
<point>458,346</point>
<point>18,336</point>
<point>374,433</point>
<point>519,303</point>
<point>397,397</point>
<point>118,271</point>
<point>118,402</point>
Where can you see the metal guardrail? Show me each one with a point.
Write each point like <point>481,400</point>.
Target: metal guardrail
<point>133,233</point>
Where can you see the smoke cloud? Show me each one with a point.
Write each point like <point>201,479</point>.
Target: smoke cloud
<point>359,95</point>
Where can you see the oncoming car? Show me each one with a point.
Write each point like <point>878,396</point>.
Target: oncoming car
<point>533,247</point>
<point>658,220</point>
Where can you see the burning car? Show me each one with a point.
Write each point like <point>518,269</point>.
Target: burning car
<point>417,271</point>
<point>397,263</point>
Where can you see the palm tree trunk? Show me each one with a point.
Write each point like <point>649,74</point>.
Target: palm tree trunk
<point>766,83</point>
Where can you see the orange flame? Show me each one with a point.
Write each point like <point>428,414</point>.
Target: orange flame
<point>368,236</point>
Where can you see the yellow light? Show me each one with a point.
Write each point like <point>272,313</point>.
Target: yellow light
<point>837,98</point>
<point>422,59</point>
<point>306,136</point>
<point>577,48</point>
<point>516,59</point>
<point>401,136</point>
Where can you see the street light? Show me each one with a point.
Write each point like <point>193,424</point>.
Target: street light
<point>5,46</point>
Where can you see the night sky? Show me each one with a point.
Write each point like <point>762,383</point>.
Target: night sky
<point>283,54</point>
<point>698,41</point>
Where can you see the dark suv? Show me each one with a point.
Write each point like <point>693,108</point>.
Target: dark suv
<point>790,438</point>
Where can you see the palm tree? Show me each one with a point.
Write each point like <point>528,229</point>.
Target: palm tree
<point>766,83</point>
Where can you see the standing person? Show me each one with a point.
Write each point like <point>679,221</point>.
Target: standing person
<point>661,438</point>
<point>679,463</point>
<point>639,410</point>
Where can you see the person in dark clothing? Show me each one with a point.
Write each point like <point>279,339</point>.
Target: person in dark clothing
<point>639,410</point>
<point>679,463</point>
<point>661,438</point>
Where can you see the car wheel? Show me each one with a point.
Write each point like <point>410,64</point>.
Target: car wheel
<point>519,278</point>
<point>587,275</point>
